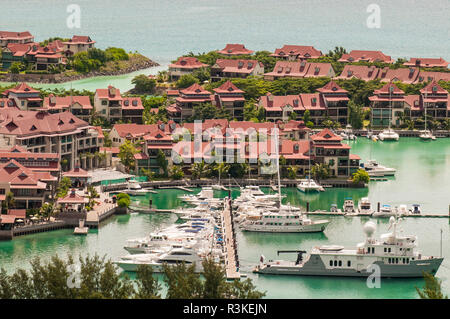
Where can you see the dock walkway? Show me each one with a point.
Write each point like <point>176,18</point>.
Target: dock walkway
<point>231,258</point>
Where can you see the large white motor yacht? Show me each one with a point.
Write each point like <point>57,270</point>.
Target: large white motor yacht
<point>373,168</point>
<point>388,135</point>
<point>309,185</point>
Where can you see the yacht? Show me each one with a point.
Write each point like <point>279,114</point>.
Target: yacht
<point>348,133</point>
<point>365,207</point>
<point>135,189</point>
<point>395,255</point>
<point>426,135</point>
<point>282,222</point>
<point>385,211</point>
<point>309,185</point>
<point>173,256</point>
<point>349,206</point>
<point>373,168</point>
<point>416,209</point>
<point>205,195</point>
<point>388,135</point>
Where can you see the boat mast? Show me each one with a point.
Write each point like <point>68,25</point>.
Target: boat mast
<point>278,162</point>
<point>425,103</point>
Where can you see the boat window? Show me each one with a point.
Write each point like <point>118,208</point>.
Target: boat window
<point>335,263</point>
<point>349,263</point>
<point>331,263</point>
<point>396,260</point>
<point>340,263</point>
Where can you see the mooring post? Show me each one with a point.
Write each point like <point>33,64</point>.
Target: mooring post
<point>307,207</point>
<point>150,203</point>
<point>378,207</point>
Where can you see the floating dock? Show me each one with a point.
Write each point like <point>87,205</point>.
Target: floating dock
<point>230,247</point>
<point>422,215</point>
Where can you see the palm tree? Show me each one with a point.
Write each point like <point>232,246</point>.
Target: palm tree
<point>10,201</point>
<point>222,169</point>
<point>292,171</point>
<point>199,170</point>
<point>320,171</point>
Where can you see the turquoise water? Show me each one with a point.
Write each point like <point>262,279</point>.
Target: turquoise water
<point>164,30</point>
<point>423,177</point>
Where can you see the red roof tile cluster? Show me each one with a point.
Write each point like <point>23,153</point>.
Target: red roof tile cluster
<point>362,72</point>
<point>300,102</point>
<point>297,51</point>
<point>21,88</point>
<point>326,135</point>
<point>80,39</point>
<point>235,49</point>
<point>77,172</point>
<point>365,55</point>
<point>228,88</point>
<point>433,88</point>
<point>132,103</point>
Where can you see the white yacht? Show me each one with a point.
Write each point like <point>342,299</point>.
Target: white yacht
<point>205,195</point>
<point>395,255</point>
<point>348,133</point>
<point>135,189</point>
<point>173,256</point>
<point>385,211</point>
<point>373,168</point>
<point>282,222</point>
<point>349,206</point>
<point>309,185</point>
<point>365,207</point>
<point>426,135</point>
<point>388,135</point>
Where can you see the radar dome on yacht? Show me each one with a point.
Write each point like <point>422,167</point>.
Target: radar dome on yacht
<point>369,228</point>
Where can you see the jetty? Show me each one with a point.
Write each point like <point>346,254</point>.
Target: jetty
<point>230,245</point>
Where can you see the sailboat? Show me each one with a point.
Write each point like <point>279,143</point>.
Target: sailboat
<point>426,135</point>
<point>389,134</point>
<point>309,185</point>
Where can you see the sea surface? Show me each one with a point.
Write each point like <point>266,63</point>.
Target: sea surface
<point>423,177</point>
<point>164,30</point>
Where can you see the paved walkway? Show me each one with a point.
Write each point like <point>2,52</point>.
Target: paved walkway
<point>230,256</point>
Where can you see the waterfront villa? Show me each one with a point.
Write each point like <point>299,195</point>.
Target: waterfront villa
<point>231,98</point>
<point>80,106</point>
<point>299,69</point>
<point>387,103</point>
<point>135,132</point>
<point>42,132</point>
<point>331,100</point>
<point>366,56</point>
<point>25,97</point>
<point>234,49</point>
<point>296,52</point>
<point>433,98</point>
<point>405,75</point>
<point>39,57</point>
<point>7,37</point>
<point>228,68</point>
<point>426,63</point>
<point>78,43</point>
<point>184,65</point>
<point>112,106</point>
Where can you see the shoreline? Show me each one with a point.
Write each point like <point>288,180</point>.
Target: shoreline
<point>136,64</point>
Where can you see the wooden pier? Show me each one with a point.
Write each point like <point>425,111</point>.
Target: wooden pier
<point>230,245</point>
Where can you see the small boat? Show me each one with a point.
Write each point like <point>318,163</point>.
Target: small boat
<point>426,135</point>
<point>373,168</point>
<point>385,211</point>
<point>365,207</point>
<point>135,189</point>
<point>388,135</point>
<point>416,209</point>
<point>309,185</point>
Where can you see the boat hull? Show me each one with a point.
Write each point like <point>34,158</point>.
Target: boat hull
<point>317,226</point>
<point>413,270</point>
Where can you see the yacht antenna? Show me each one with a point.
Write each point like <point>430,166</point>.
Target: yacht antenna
<point>441,244</point>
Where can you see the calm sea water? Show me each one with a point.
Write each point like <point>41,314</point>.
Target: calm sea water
<point>423,177</point>
<point>164,30</point>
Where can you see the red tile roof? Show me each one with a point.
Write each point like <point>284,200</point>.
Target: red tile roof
<point>300,51</point>
<point>65,102</point>
<point>326,135</point>
<point>365,55</point>
<point>111,93</point>
<point>72,198</point>
<point>404,75</point>
<point>132,103</point>
<point>187,63</point>
<point>235,49</point>
<point>15,35</point>
<point>195,89</point>
<point>427,76</point>
<point>362,72</point>
<point>19,213</point>
<point>77,172</point>
<point>29,123</point>
<point>21,88</point>
<point>388,88</point>
<point>236,66</point>
<point>80,39</point>
<point>19,176</point>
<point>433,88</point>
<point>300,69</point>
<point>228,87</point>
<point>427,62</point>
<point>332,87</point>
